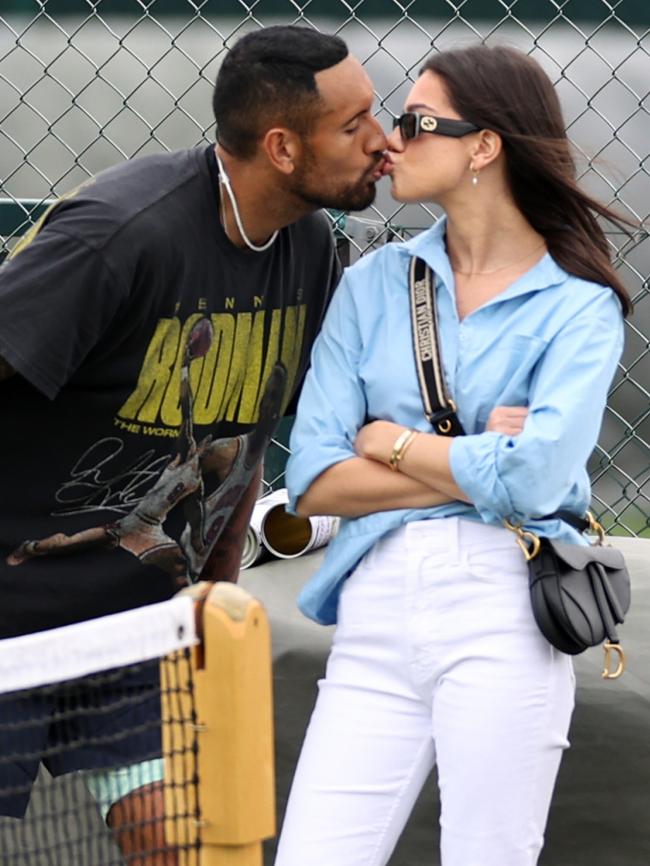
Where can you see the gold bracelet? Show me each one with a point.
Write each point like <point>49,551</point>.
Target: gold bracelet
<point>399,448</point>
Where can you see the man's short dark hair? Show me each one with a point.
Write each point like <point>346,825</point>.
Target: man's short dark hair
<point>267,78</point>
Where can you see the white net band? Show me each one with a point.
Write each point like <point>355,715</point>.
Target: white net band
<point>96,645</point>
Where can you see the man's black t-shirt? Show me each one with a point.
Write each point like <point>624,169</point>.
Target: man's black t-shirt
<point>127,289</point>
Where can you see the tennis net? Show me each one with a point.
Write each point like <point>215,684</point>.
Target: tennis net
<point>89,774</point>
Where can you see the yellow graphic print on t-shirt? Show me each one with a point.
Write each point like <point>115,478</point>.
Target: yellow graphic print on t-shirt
<point>228,382</point>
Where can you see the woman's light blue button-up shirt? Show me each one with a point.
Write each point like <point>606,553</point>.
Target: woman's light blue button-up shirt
<point>550,341</point>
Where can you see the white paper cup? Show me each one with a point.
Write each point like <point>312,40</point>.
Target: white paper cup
<point>254,549</point>
<point>288,536</point>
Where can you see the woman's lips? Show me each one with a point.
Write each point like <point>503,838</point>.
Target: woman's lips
<point>384,167</point>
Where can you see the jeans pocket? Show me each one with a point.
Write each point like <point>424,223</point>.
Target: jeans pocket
<point>498,565</point>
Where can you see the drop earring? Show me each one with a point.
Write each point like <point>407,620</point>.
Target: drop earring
<point>474,176</point>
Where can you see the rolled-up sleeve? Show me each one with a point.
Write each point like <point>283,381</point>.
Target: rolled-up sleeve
<point>532,474</point>
<point>332,404</point>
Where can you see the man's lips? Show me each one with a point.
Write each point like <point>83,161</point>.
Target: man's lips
<point>383,167</point>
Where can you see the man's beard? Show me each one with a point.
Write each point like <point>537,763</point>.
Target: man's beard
<point>312,188</point>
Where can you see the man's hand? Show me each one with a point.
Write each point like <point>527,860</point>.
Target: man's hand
<point>508,420</point>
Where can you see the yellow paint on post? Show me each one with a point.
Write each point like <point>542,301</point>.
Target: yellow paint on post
<point>233,698</point>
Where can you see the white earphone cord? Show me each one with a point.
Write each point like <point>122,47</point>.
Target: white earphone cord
<point>225,181</point>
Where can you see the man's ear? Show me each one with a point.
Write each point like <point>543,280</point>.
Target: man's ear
<point>283,148</point>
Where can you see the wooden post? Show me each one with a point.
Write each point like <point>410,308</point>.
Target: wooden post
<point>232,686</point>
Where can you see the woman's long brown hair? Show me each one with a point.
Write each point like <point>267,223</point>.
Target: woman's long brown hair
<point>502,89</point>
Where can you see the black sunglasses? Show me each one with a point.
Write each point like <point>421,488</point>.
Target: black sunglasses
<point>412,124</point>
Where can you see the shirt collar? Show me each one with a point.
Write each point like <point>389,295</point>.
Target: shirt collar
<point>430,246</point>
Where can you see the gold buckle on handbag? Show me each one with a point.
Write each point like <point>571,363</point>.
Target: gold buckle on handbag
<point>527,540</point>
<point>595,527</point>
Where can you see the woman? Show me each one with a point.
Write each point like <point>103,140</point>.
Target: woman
<point>436,657</point>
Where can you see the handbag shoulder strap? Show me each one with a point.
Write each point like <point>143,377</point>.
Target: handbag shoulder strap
<point>579,523</point>
<point>439,408</point>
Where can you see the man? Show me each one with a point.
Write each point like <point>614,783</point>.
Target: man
<point>156,324</point>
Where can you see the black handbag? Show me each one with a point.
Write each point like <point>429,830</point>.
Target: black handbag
<point>579,593</point>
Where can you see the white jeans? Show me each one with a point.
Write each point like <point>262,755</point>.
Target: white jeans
<point>436,660</point>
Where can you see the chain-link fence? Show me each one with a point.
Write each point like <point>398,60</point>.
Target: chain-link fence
<point>86,83</point>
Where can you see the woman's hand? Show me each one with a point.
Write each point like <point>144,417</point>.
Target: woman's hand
<point>508,420</point>
<point>424,460</point>
<point>375,441</point>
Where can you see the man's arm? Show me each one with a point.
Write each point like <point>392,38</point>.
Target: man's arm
<point>6,370</point>
<point>329,285</point>
<point>224,560</point>
<point>51,319</point>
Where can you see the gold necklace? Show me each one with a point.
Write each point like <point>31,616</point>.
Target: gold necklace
<point>502,268</point>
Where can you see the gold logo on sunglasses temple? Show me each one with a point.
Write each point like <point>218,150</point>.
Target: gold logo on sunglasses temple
<point>428,124</point>
<point>411,124</point>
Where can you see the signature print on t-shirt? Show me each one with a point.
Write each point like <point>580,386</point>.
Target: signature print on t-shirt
<point>234,461</point>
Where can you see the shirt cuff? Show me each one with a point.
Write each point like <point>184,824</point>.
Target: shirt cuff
<point>473,464</point>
